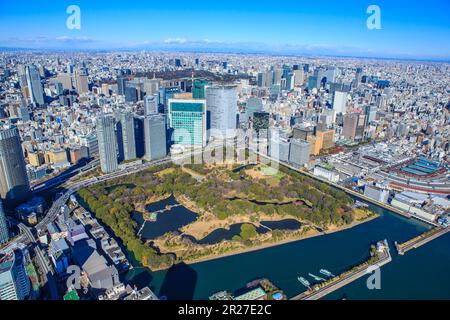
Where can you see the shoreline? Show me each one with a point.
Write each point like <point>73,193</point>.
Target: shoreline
<point>269,245</point>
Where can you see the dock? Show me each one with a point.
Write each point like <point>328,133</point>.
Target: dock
<point>420,240</point>
<point>338,282</point>
<point>149,216</point>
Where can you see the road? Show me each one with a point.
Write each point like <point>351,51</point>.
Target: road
<point>50,183</point>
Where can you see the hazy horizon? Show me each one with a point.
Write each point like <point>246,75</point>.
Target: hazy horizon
<point>408,31</point>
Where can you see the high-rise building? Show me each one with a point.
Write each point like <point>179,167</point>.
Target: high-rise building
<point>14,281</point>
<point>81,82</point>
<point>358,76</point>
<point>340,102</point>
<point>302,132</point>
<point>24,113</point>
<point>269,79</point>
<point>277,74</point>
<point>139,136</point>
<point>299,152</point>
<point>131,94</point>
<point>324,141</point>
<point>299,77</point>
<point>221,102</point>
<point>289,81</point>
<point>4,231</point>
<point>70,68</point>
<point>354,125</point>
<point>312,82</point>
<point>107,143</point>
<point>151,86</point>
<point>360,127</point>
<point>279,148</point>
<point>198,88</point>
<point>155,137</point>
<point>187,119</point>
<point>253,105</point>
<point>261,79</point>
<point>371,113</point>
<point>127,134</point>
<point>14,184</point>
<point>22,73</point>
<point>166,93</point>
<point>150,104</point>
<point>91,143</point>
<point>65,79</point>
<point>34,85</point>
<point>121,83</point>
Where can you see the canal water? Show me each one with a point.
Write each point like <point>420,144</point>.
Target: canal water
<point>179,216</point>
<point>422,273</point>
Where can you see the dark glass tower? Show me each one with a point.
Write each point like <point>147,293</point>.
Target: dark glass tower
<point>14,184</point>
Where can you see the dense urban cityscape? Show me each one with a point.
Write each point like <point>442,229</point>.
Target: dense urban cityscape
<point>168,175</point>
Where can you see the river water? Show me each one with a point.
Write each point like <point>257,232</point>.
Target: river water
<point>422,273</point>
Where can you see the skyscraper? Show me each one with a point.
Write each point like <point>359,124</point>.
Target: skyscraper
<point>253,105</point>
<point>128,139</point>
<point>14,281</point>
<point>34,85</point>
<point>121,83</point>
<point>4,231</point>
<point>14,184</point>
<point>312,82</point>
<point>151,104</point>
<point>22,73</point>
<point>139,136</point>
<point>299,152</point>
<point>221,102</point>
<point>358,76</point>
<point>166,93</point>
<point>198,88</point>
<point>261,79</point>
<point>353,126</point>
<point>107,144</point>
<point>131,94</point>
<point>187,119</point>
<point>81,82</point>
<point>155,137</point>
<point>340,102</point>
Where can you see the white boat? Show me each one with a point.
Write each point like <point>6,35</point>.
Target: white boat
<point>303,281</point>
<point>326,272</point>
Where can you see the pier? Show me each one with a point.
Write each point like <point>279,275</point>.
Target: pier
<point>317,292</point>
<point>155,213</point>
<point>420,240</point>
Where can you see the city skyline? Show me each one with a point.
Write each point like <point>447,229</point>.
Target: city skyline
<point>296,28</point>
<point>236,151</point>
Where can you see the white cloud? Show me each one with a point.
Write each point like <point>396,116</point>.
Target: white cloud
<point>175,40</point>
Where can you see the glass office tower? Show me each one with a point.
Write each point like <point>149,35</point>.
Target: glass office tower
<point>187,119</point>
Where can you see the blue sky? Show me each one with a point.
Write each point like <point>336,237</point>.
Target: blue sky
<point>409,30</point>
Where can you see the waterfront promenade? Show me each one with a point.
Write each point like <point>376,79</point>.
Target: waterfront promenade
<point>384,257</point>
<point>420,240</point>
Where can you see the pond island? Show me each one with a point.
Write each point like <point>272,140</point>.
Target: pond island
<point>190,213</point>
